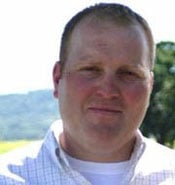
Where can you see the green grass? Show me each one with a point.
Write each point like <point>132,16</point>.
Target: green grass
<point>6,146</point>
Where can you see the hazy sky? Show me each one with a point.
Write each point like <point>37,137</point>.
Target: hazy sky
<point>30,32</point>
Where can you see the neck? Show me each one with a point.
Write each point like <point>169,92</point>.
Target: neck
<point>116,153</point>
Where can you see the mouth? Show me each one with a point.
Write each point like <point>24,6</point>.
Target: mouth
<point>104,110</point>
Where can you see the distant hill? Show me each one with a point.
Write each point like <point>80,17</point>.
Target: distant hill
<point>27,116</point>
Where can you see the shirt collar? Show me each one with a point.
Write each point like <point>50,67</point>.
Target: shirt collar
<point>58,154</point>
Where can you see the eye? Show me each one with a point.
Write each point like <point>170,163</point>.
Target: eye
<point>90,68</point>
<point>128,75</point>
<point>90,71</point>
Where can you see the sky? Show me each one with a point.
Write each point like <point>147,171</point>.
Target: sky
<point>30,32</point>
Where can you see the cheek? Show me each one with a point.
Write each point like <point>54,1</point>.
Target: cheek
<point>74,95</point>
<point>137,95</point>
<point>80,86</point>
<point>75,89</point>
<point>136,103</point>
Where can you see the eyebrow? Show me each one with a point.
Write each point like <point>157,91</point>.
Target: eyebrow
<point>132,66</point>
<point>86,58</point>
<point>90,59</point>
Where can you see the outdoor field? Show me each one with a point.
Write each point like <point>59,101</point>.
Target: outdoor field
<point>6,146</point>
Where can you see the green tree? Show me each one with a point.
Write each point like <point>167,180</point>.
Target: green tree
<point>160,119</point>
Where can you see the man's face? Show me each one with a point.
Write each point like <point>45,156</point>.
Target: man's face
<point>105,86</point>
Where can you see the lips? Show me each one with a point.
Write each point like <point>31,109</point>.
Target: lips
<point>105,109</point>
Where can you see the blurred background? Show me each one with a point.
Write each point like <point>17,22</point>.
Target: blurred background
<point>29,46</point>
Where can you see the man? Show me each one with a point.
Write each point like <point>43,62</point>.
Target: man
<point>103,82</point>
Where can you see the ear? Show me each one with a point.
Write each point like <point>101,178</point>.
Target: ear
<point>56,77</point>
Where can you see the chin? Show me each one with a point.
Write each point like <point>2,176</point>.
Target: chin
<point>104,130</point>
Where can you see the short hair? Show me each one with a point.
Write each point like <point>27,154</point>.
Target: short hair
<point>117,13</point>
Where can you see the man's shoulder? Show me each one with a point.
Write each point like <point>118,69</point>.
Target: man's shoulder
<point>33,163</point>
<point>159,155</point>
<point>155,164</point>
<point>153,146</point>
<point>13,163</point>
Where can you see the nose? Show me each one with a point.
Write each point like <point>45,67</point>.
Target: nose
<point>108,87</point>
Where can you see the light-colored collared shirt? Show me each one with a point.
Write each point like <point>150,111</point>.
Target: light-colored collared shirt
<point>44,163</point>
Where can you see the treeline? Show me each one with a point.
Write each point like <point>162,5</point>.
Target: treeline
<point>160,118</point>
<point>28,116</point>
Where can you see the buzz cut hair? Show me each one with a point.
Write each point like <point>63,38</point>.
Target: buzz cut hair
<point>117,13</point>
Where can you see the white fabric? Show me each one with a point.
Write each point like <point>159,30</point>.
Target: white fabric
<point>150,164</point>
<point>100,173</point>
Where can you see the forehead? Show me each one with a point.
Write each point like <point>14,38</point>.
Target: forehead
<point>90,25</point>
<point>92,37</point>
